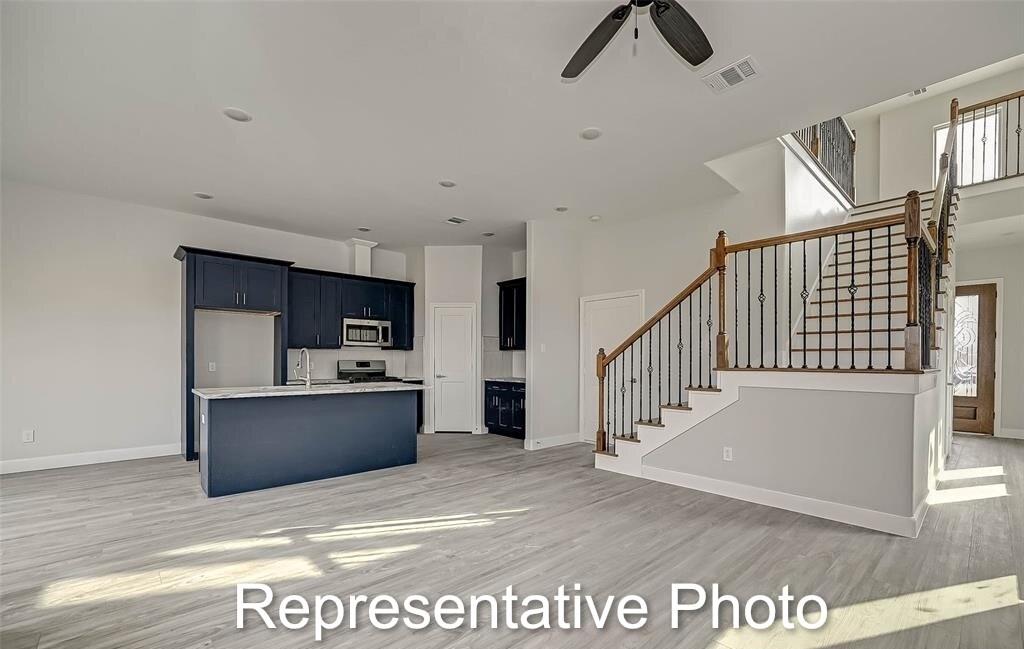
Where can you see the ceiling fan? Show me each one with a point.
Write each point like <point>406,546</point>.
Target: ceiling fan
<point>679,28</point>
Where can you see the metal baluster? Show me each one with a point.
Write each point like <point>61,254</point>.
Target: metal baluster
<point>835,306</point>
<point>803,296</point>
<point>611,394</point>
<point>853,302</point>
<point>609,437</point>
<point>736,311</point>
<point>974,126</point>
<point>640,401</point>
<point>984,140</point>
<point>668,353</point>
<point>789,299</point>
<point>760,298</point>
<point>689,323</point>
<point>1018,135</point>
<point>821,297</point>
<point>775,308</point>
<point>1006,142</point>
<point>650,379</point>
<point>871,299</point>
<point>888,291</point>
<point>659,364</point>
<point>748,310</point>
<point>632,384</point>
<point>679,349</point>
<point>700,336</point>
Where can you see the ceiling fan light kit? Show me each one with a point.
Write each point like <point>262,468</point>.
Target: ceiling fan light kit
<point>679,29</point>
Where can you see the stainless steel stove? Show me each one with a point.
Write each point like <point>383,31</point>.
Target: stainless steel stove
<point>365,372</point>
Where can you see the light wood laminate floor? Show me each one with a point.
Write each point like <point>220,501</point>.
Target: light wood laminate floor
<point>132,555</point>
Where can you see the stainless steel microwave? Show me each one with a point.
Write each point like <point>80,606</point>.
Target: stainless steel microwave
<point>365,333</point>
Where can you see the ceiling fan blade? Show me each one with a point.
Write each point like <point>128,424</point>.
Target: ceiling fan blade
<point>681,31</point>
<point>597,41</point>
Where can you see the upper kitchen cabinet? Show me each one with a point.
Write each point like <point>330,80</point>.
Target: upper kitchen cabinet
<point>364,299</point>
<point>512,314</point>
<point>314,314</point>
<point>400,313</point>
<point>236,282</point>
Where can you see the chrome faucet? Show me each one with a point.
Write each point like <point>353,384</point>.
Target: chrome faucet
<point>308,378</point>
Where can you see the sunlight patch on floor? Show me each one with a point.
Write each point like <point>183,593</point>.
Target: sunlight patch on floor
<point>884,616</point>
<point>965,494</point>
<point>975,472</point>
<point>359,558</point>
<point>147,583</point>
<point>394,530</point>
<point>231,545</point>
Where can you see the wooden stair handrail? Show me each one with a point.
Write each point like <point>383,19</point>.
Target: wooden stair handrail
<point>990,102</point>
<point>948,154</point>
<point>845,228</point>
<point>653,320</point>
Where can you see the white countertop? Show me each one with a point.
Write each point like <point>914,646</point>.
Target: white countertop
<point>507,379</point>
<point>301,390</point>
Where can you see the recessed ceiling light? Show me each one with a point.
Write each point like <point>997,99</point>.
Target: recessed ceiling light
<point>203,195</point>
<point>595,218</point>
<point>456,220</point>
<point>447,184</point>
<point>363,229</point>
<point>590,133</point>
<point>487,234</point>
<point>237,114</point>
<point>561,208</point>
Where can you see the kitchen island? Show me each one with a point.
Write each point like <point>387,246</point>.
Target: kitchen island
<point>255,438</point>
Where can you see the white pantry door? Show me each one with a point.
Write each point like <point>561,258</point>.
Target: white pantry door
<point>455,383</point>
<point>605,321</point>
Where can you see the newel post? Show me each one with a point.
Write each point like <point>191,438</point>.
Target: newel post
<point>954,111</point>
<point>912,332</point>
<point>722,343</point>
<point>601,442</point>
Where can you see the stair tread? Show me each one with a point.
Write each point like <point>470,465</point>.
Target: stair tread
<point>608,453</point>
<point>649,422</point>
<point>623,438</point>
<point>700,389</point>
<point>877,314</point>
<point>682,407</point>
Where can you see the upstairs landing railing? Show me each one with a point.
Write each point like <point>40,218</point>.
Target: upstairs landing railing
<point>751,308</point>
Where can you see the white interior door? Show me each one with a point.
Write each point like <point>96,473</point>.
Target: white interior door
<point>605,321</point>
<point>455,383</point>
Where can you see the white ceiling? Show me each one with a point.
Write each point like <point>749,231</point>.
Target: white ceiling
<point>361,107</point>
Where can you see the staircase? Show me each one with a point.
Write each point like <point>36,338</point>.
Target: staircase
<point>866,297</point>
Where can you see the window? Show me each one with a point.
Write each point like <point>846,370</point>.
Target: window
<point>978,156</point>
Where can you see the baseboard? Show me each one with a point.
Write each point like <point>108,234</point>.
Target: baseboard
<point>884,522</point>
<point>88,457</point>
<point>1011,433</point>
<point>547,442</point>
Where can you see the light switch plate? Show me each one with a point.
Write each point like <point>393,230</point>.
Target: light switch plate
<point>28,436</point>
<point>727,453</point>
<point>213,367</point>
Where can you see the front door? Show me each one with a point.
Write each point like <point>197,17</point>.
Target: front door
<point>455,382</point>
<point>604,322</point>
<point>974,358</point>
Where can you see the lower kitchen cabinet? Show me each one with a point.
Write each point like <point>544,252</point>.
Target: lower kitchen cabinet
<point>505,408</point>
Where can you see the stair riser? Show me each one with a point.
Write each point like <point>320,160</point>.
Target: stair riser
<point>877,340</point>
<point>880,306</point>
<point>878,276</point>
<point>878,359</point>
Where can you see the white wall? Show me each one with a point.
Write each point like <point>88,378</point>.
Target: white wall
<point>452,274</point>
<point>92,317</point>
<point>1006,262</point>
<point>236,343</point>
<point>498,265</point>
<point>895,148</point>
<point>554,259</point>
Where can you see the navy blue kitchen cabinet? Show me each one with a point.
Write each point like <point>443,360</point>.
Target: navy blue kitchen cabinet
<point>364,299</point>
<point>400,313</point>
<point>237,285</point>
<point>314,314</point>
<point>512,314</point>
<point>319,300</point>
<point>505,408</point>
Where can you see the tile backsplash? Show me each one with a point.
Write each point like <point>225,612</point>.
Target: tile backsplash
<point>325,361</point>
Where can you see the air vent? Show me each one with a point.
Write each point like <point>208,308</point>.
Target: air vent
<point>455,220</point>
<point>731,75</point>
<point>918,91</point>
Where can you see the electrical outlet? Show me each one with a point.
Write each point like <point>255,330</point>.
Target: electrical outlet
<point>213,367</point>
<point>727,453</point>
<point>28,436</point>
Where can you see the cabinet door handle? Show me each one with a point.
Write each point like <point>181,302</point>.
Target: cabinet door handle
<point>243,297</point>
<point>236,297</point>
<point>318,339</point>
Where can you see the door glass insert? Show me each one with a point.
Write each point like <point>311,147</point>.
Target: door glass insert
<point>965,347</point>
